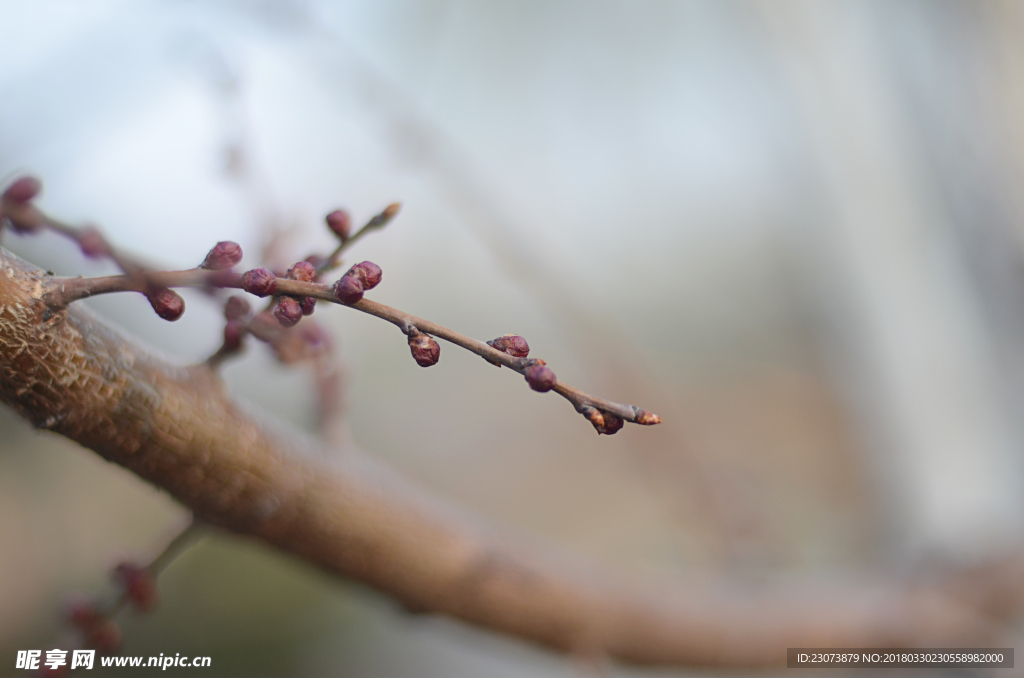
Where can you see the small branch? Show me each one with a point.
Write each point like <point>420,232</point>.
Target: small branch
<point>59,292</point>
<point>376,223</point>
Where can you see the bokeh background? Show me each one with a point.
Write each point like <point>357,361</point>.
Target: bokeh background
<point>793,229</point>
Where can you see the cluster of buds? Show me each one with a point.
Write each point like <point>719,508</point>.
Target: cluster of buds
<point>99,631</point>
<point>425,350</point>
<point>361,277</point>
<point>289,310</point>
<point>539,376</point>
<point>139,585</point>
<point>604,422</point>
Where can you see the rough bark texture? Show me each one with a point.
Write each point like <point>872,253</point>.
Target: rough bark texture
<point>177,428</point>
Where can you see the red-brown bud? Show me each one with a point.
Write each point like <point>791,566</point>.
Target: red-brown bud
<point>303,271</point>
<point>234,332</point>
<point>339,222</point>
<point>23,190</point>
<point>236,308</point>
<point>288,311</point>
<point>224,254</point>
<point>259,281</point>
<point>513,344</point>
<point>140,585</point>
<point>604,422</point>
<point>168,304</point>
<point>307,304</point>
<point>83,615</point>
<point>104,637</point>
<point>348,289</point>
<point>424,349</point>
<point>540,377</point>
<point>368,273</point>
<point>92,243</point>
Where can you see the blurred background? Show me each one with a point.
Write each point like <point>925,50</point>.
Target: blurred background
<point>793,229</point>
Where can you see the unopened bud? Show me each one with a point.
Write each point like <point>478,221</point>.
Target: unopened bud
<point>234,332</point>
<point>288,311</point>
<point>303,271</point>
<point>348,289</point>
<point>382,219</point>
<point>236,308</point>
<point>603,422</point>
<point>83,615</point>
<point>425,351</point>
<point>513,344</point>
<point>224,254</point>
<point>92,243</point>
<point>168,304</point>
<point>540,377</point>
<point>368,273</point>
<point>259,281</point>
<point>339,222</point>
<point>104,637</point>
<point>646,418</point>
<point>140,585</point>
<point>307,304</point>
<point>23,190</point>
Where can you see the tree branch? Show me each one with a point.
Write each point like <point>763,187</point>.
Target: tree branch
<point>176,427</point>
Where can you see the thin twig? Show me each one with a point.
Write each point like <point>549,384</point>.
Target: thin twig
<point>59,292</point>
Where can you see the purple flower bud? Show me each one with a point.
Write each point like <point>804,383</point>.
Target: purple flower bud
<point>348,290</point>
<point>234,332</point>
<point>307,304</point>
<point>303,271</point>
<point>513,344</point>
<point>92,243</point>
<point>23,190</point>
<point>424,349</point>
<point>236,308</point>
<point>259,281</point>
<point>540,377</point>
<point>339,222</point>
<point>288,311</point>
<point>225,254</point>
<point>368,273</point>
<point>168,304</point>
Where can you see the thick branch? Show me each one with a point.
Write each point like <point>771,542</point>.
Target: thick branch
<point>177,428</point>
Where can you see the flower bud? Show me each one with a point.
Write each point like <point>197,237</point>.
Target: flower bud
<point>368,273</point>
<point>92,243</point>
<point>236,308</point>
<point>288,311</point>
<point>104,637</point>
<point>234,332</point>
<point>339,222</point>
<point>303,271</point>
<point>540,377</point>
<point>23,190</point>
<point>224,254</point>
<point>513,344</point>
<point>603,422</point>
<point>348,289</point>
<point>381,220</point>
<point>140,585</point>
<point>307,304</point>
<point>259,281</point>
<point>168,304</point>
<point>424,349</point>
<point>83,615</point>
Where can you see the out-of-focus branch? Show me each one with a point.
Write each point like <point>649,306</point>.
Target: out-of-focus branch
<point>176,427</point>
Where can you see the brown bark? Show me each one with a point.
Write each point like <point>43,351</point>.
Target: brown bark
<point>176,427</point>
